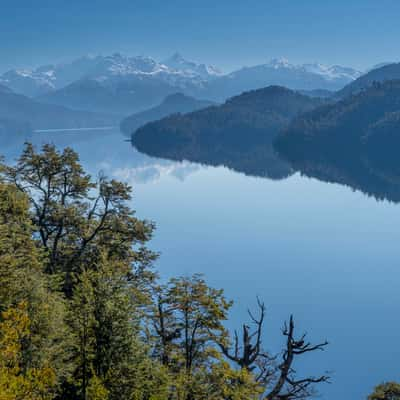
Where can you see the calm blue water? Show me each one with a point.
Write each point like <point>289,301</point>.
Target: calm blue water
<point>321,251</point>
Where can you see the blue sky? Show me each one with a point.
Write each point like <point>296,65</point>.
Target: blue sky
<point>227,33</point>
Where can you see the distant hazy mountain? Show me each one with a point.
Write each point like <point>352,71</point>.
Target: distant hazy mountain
<point>118,95</point>
<point>173,104</point>
<point>123,85</point>
<point>383,73</point>
<point>178,63</point>
<point>281,72</point>
<point>4,89</point>
<point>22,111</point>
<point>371,116</point>
<point>179,73</point>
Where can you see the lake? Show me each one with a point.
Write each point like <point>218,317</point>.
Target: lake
<point>321,251</point>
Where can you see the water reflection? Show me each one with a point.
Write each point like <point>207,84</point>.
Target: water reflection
<point>253,159</point>
<point>360,169</point>
<point>322,252</point>
<point>105,151</point>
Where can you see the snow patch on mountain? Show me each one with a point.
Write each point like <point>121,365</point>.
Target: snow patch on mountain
<point>176,70</point>
<point>178,63</point>
<point>332,72</point>
<point>118,70</point>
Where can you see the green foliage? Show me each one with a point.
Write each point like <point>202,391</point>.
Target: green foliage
<point>83,316</point>
<point>18,379</point>
<point>74,216</point>
<point>386,391</point>
<point>96,389</point>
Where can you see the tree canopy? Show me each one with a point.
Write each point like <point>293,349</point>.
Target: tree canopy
<point>84,315</point>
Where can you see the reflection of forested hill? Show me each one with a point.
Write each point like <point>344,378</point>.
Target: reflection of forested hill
<point>357,171</point>
<point>254,160</point>
<point>353,142</point>
<point>237,134</point>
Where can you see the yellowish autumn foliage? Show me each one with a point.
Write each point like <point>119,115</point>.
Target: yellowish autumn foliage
<point>16,382</point>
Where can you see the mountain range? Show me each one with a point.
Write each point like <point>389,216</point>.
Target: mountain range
<point>122,85</point>
<point>280,72</point>
<point>98,90</point>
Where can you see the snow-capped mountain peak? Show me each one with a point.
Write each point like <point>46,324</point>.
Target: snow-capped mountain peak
<point>178,63</point>
<point>281,62</point>
<point>332,72</point>
<point>176,70</point>
<point>329,72</point>
<point>175,73</point>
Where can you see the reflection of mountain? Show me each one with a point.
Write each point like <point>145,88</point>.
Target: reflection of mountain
<point>113,156</point>
<point>358,171</point>
<point>353,142</point>
<point>237,134</point>
<point>259,161</point>
<point>254,160</point>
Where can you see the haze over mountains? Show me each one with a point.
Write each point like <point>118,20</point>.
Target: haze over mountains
<point>121,85</point>
<point>103,90</point>
<point>21,112</point>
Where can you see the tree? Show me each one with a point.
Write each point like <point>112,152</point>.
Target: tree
<point>19,257</point>
<point>247,351</point>
<point>386,391</point>
<point>187,319</point>
<point>83,317</point>
<point>17,380</point>
<point>109,352</point>
<point>73,215</point>
<point>287,385</point>
<point>277,378</point>
<point>23,282</point>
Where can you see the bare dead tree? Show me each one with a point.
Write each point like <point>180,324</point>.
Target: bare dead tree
<point>247,351</point>
<point>278,378</point>
<point>287,386</point>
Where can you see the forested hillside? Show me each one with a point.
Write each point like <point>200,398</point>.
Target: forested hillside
<point>253,117</point>
<point>347,124</point>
